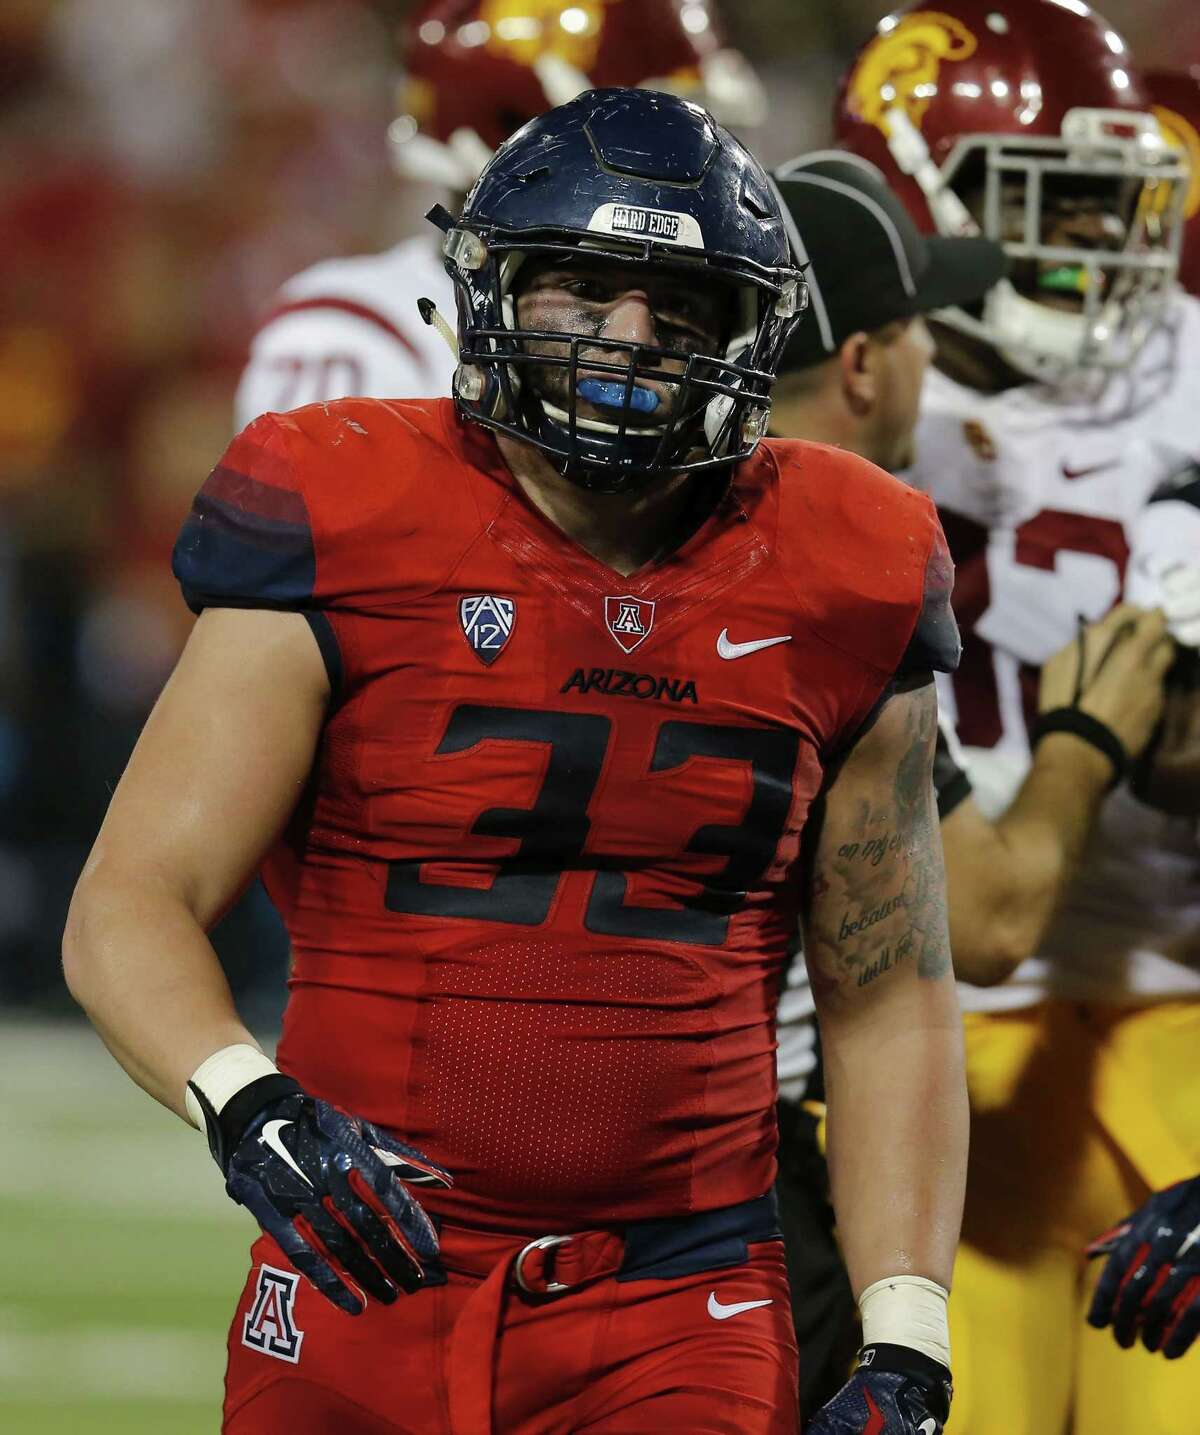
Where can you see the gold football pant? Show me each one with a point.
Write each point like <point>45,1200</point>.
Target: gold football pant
<point>1078,1113</point>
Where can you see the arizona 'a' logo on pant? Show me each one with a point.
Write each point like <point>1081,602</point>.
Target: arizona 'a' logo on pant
<point>271,1324</point>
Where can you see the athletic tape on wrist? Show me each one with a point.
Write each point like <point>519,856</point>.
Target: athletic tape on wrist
<point>907,1310</point>
<point>222,1076</point>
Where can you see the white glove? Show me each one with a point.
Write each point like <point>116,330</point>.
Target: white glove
<point>1181,602</point>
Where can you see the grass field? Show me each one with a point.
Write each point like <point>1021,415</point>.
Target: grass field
<point>121,1257</point>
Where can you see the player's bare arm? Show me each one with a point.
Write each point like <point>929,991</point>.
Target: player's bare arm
<point>218,770</point>
<point>878,952</point>
<point>1004,878</point>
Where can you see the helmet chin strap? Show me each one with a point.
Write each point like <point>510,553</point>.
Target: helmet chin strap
<point>1028,337</point>
<point>1041,342</point>
<point>432,316</point>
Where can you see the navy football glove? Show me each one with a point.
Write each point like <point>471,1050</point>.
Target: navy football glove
<point>1151,1283</point>
<point>330,1189</point>
<point>894,1391</point>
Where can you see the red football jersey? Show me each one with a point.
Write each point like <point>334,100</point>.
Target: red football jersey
<point>542,886</point>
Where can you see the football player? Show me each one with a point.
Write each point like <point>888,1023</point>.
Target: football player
<point>853,377</point>
<point>476,70</point>
<point>549,711</point>
<point>1058,436</point>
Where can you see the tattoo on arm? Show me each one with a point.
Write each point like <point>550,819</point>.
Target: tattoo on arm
<point>877,896</point>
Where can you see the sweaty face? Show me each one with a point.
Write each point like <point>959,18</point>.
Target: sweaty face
<point>617,304</point>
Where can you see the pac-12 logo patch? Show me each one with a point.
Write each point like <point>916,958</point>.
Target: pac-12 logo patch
<point>487,623</point>
<point>271,1324</point>
<point>629,619</point>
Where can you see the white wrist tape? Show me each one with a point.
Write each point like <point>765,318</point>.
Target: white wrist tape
<point>907,1310</point>
<point>223,1075</point>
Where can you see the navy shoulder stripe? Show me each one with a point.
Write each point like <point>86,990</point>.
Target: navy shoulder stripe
<point>245,543</point>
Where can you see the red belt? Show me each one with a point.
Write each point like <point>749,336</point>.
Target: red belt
<point>547,1265</point>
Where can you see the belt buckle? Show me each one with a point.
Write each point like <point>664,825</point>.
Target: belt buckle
<point>541,1244</point>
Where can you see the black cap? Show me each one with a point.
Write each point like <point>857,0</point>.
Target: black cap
<point>869,264</point>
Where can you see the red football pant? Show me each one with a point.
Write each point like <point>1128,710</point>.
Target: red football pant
<point>610,1357</point>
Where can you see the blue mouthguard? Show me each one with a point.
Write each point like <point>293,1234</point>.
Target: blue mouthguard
<point>612,395</point>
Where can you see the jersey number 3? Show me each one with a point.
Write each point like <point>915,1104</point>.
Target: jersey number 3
<point>1032,598</point>
<point>552,833</point>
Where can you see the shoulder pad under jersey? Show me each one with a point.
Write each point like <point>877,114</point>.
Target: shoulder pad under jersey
<point>864,554</point>
<point>354,504</point>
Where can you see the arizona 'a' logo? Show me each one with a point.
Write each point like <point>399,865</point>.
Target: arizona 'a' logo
<point>487,624</point>
<point>629,620</point>
<point>899,68</point>
<point>271,1324</point>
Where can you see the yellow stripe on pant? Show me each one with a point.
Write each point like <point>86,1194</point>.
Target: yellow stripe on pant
<point>1078,1112</point>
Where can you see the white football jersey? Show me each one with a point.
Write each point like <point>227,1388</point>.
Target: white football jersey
<point>1046,502</point>
<point>350,327</point>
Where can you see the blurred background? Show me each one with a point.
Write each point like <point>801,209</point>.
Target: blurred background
<point>164,166</point>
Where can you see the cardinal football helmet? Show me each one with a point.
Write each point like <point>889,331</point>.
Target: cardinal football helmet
<point>1000,117</point>
<point>651,182</point>
<point>477,70</point>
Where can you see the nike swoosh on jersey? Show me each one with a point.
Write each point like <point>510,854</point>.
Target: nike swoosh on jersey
<point>1073,473</point>
<point>723,1312</point>
<point>726,649</point>
<point>273,1141</point>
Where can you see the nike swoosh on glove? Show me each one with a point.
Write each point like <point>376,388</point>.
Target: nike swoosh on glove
<point>894,1391</point>
<point>1150,1285</point>
<point>332,1190</point>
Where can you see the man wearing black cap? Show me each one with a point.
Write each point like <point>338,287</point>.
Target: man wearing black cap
<point>852,377</point>
<point>852,373</point>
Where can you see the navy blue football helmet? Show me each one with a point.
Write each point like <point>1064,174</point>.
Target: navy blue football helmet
<point>647,180</point>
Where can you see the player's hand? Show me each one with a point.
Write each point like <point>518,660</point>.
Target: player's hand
<point>1114,672</point>
<point>331,1189</point>
<point>894,1391</point>
<point>1150,1285</point>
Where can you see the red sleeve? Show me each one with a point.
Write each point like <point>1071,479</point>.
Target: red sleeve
<point>859,549</point>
